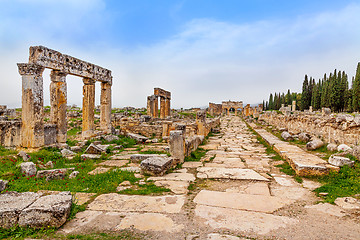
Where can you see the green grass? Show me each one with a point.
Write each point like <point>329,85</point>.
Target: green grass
<point>196,155</point>
<point>287,169</point>
<point>190,115</point>
<point>344,183</point>
<point>154,152</point>
<point>126,142</point>
<point>74,131</point>
<point>22,232</point>
<point>145,189</point>
<point>4,151</point>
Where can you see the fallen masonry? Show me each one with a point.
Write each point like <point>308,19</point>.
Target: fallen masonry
<point>34,210</point>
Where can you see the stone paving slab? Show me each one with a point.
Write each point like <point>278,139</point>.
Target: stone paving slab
<point>254,188</point>
<point>239,220</point>
<point>192,164</point>
<point>174,177</point>
<point>114,202</point>
<point>114,163</point>
<point>216,236</point>
<point>229,173</point>
<point>149,222</point>
<point>240,201</point>
<point>177,187</point>
<point>328,209</point>
<point>98,170</point>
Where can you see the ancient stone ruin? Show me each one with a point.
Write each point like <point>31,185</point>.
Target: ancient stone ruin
<point>228,106</point>
<point>153,103</point>
<point>34,132</point>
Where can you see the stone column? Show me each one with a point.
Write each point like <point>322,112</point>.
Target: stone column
<point>167,107</point>
<point>201,123</point>
<point>88,125</point>
<point>105,107</point>
<point>162,107</point>
<point>32,129</point>
<point>58,101</point>
<point>293,106</point>
<point>177,146</point>
<point>155,107</point>
<point>149,106</point>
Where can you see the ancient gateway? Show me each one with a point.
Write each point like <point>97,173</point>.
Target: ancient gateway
<point>33,127</point>
<point>152,103</point>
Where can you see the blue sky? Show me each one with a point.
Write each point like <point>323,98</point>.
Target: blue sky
<point>200,50</point>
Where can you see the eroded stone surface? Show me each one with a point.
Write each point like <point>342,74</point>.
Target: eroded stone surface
<point>240,201</point>
<point>239,220</point>
<point>149,222</point>
<point>229,173</point>
<point>124,203</point>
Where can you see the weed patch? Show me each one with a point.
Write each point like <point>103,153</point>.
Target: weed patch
<point>196,155</point>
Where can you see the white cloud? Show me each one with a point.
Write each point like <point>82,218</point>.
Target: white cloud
<point>212,60</point>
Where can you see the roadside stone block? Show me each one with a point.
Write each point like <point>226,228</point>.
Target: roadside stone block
<point>50,210</point>
<point>156,165</point>
<point>340,161</point>
<point>28,168</point>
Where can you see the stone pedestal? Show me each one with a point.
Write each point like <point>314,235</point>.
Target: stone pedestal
<point>58,101</point>
<point>88,125</point>
<point>32,105</point>
<point>177,146</point>
<point>105,107</point>
<point>293,106</point>
<point>162,107</point>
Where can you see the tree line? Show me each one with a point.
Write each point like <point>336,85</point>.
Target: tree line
<point>332,91</point>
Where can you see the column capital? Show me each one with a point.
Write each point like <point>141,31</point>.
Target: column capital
<point>30,69</point>
<point>58,76</point>
<point>89,81</point>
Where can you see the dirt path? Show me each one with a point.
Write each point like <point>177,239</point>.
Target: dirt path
<point>238,194</point>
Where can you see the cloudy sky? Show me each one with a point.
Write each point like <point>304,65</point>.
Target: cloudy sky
<point>202,51</point>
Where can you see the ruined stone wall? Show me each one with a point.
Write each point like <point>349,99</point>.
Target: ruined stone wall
<point>340,128</point>
<point>10,133</point>
<point>215,109</point>
<point>133,125</point>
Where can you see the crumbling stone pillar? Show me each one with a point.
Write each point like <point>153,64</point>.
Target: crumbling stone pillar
<point>177,146</point>
<point>162,107</point>
<point>149,106</point>
<point>32,130</point>
<point>201,123</point>
<point>58,102</point>
<point>105,107</point>
<point>155,107</point>
<point>293,106</point>
<point>88,125</point>
<point>167,107</point>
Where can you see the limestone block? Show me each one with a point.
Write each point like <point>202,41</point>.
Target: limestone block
<point>67,153</point>
<point>348,203</point>
<point>50,210</point>
<point>24,156</point>
<point>11,205</point>
<point>73,174</point>
<point>93,149</point>
<point>110,138</point>
<point>75,148</point>
<point>177,146</point>
<point>53,173</point>
<point>141,157</point>
<point>314,144</point>
<point>286,136</point>
<point>28,168</point>
<point>156,165</point>
<point>343,147</point>
<point>340,161</point>
<point>3,185</point>
<point>304,137</point>
<point>332,147</point>
<point>137,137</point>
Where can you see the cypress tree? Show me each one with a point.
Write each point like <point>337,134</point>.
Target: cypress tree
<point>305,94</point>
<point>356,90</point>
<point>271,102</point>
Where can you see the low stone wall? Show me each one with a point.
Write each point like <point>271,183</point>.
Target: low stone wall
<point>334,128</point>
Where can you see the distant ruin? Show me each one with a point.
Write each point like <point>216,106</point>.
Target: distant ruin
<point>153,101</point>
<point>32,126</point>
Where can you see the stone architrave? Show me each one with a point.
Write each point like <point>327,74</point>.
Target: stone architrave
<point>32,129</point>
<point>105,107</point>
<point>88,125</point>
<point>162,107</point>
<point>58,101</point>
<point>177,146</point>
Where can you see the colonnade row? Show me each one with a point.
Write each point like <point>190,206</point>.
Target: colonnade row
<point>153,103</point>
<point>32,132</point>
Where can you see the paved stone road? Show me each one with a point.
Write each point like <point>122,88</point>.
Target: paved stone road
<point>239,194</point>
